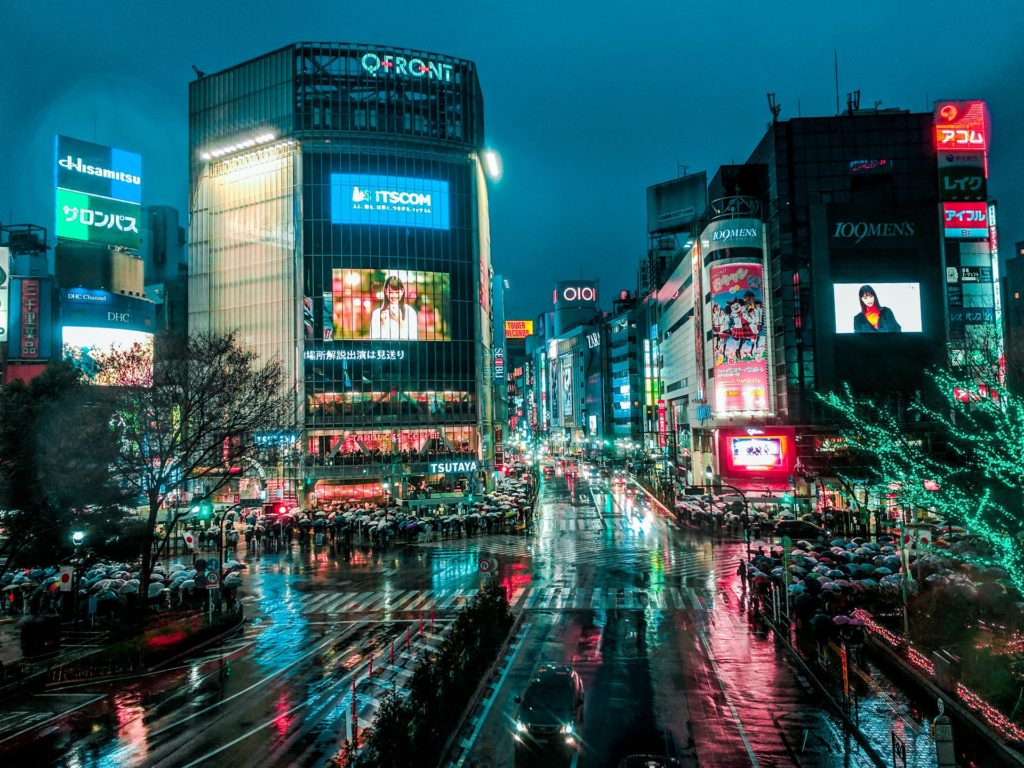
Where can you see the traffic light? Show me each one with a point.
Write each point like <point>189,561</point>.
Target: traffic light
<point>787,498</point>
<point>203,512</point>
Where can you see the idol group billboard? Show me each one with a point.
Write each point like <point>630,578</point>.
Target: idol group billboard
<point>99,193</point>
<point>739,337</point>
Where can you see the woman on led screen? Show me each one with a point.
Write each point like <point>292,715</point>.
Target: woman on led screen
<point>873,317</point>
<point>394,319</point>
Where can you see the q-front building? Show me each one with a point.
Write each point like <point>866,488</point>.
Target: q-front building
<point>339,223</point>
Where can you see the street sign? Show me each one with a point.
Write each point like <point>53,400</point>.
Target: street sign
<point>66,575</point>
<point>488,565</point>
<point>212,579</point>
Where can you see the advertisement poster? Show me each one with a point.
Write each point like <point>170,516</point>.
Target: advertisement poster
<point>392,305</point>
<point>739,337</point>
<point>567,389</point>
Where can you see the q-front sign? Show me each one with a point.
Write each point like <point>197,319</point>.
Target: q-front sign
<point>387,64</point>
<point>448,467</point>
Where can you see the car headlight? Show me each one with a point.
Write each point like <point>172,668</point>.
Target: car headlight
<point>520,727</point>
<point>567,728</point>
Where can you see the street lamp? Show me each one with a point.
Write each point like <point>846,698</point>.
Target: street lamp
<point>77,538</point>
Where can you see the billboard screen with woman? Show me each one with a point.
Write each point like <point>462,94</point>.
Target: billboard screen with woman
<point>390,305</point>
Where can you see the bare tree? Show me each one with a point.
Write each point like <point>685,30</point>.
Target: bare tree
<point>207,397</point>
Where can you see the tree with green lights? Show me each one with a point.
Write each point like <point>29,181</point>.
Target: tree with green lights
<point>967,437</point>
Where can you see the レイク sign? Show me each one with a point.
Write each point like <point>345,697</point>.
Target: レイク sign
<point>379,65</point>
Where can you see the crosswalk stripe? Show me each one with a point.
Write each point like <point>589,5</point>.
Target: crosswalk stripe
<point>523,598</point>
<point>446,603</point>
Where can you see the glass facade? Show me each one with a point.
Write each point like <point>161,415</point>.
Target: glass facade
<point>815,161</point>
<point>339,222</point>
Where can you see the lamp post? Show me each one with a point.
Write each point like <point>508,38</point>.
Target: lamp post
<point>77,538</point>
<point>710,474</point>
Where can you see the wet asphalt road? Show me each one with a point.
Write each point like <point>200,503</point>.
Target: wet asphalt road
<point>651,617</point>
<point>654,620</point>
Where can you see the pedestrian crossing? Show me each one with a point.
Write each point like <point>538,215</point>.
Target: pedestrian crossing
<point>523,598</point>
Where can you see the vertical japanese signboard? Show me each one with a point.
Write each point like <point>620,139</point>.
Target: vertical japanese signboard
<point>5,291</point>
<point>30,318</point>
<point>739,337</point>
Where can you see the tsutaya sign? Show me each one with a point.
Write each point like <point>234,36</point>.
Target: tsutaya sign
<point>444,467</point>
<point>387,64</point>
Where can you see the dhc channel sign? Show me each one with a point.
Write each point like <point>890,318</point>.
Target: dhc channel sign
<point>390,201</point>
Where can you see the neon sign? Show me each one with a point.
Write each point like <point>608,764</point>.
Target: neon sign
<point>961,125</point>
<point>579,293</point>
<point>965,220</point>
<point>376,65</point>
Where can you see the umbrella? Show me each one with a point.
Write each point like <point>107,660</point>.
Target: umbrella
<point>882,571</point>
<point>796,588</point>
<point>187,584</point>
<point>106,595</point>
<point>841,619</point>
<point>128,588</point>
<point>232,580</point>
<point>156,589</point>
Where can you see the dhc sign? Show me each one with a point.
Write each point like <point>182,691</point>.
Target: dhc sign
<point>444,467</point>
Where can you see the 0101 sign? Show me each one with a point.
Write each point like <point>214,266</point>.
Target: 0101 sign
<point>579,293</point>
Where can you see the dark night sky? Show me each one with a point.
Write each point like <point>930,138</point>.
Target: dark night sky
<point>588,102</point>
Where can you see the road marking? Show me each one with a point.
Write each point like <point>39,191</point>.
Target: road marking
<point>482,718</point>
<point>56,716</point>
<point>255,685</point>
<point>725,693</point>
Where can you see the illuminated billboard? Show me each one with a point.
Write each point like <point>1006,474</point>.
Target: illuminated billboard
<point>962,183</point>
<point>389,304</point>
<point>739,337</point>
<point>568,394</point>
<point>757,451</point>
<point>870,308</point>
<point>5,291</point>
<point>99,354</point>
<point>518,329</point>
<point>95,169</point>
<point>961,126</point>
<point>389,201</point>
<point>965,221</point>
<point>95,219</point>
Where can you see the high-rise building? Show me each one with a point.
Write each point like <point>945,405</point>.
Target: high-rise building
<point>339,223</point>
<point>857,250</point>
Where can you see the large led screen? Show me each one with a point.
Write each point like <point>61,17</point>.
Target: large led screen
<point>95,352</point>
<point>866,308</point>
<point>389,304</point>
<point>739,337</point>
<point>751,452</point>
<point>390,201</point>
